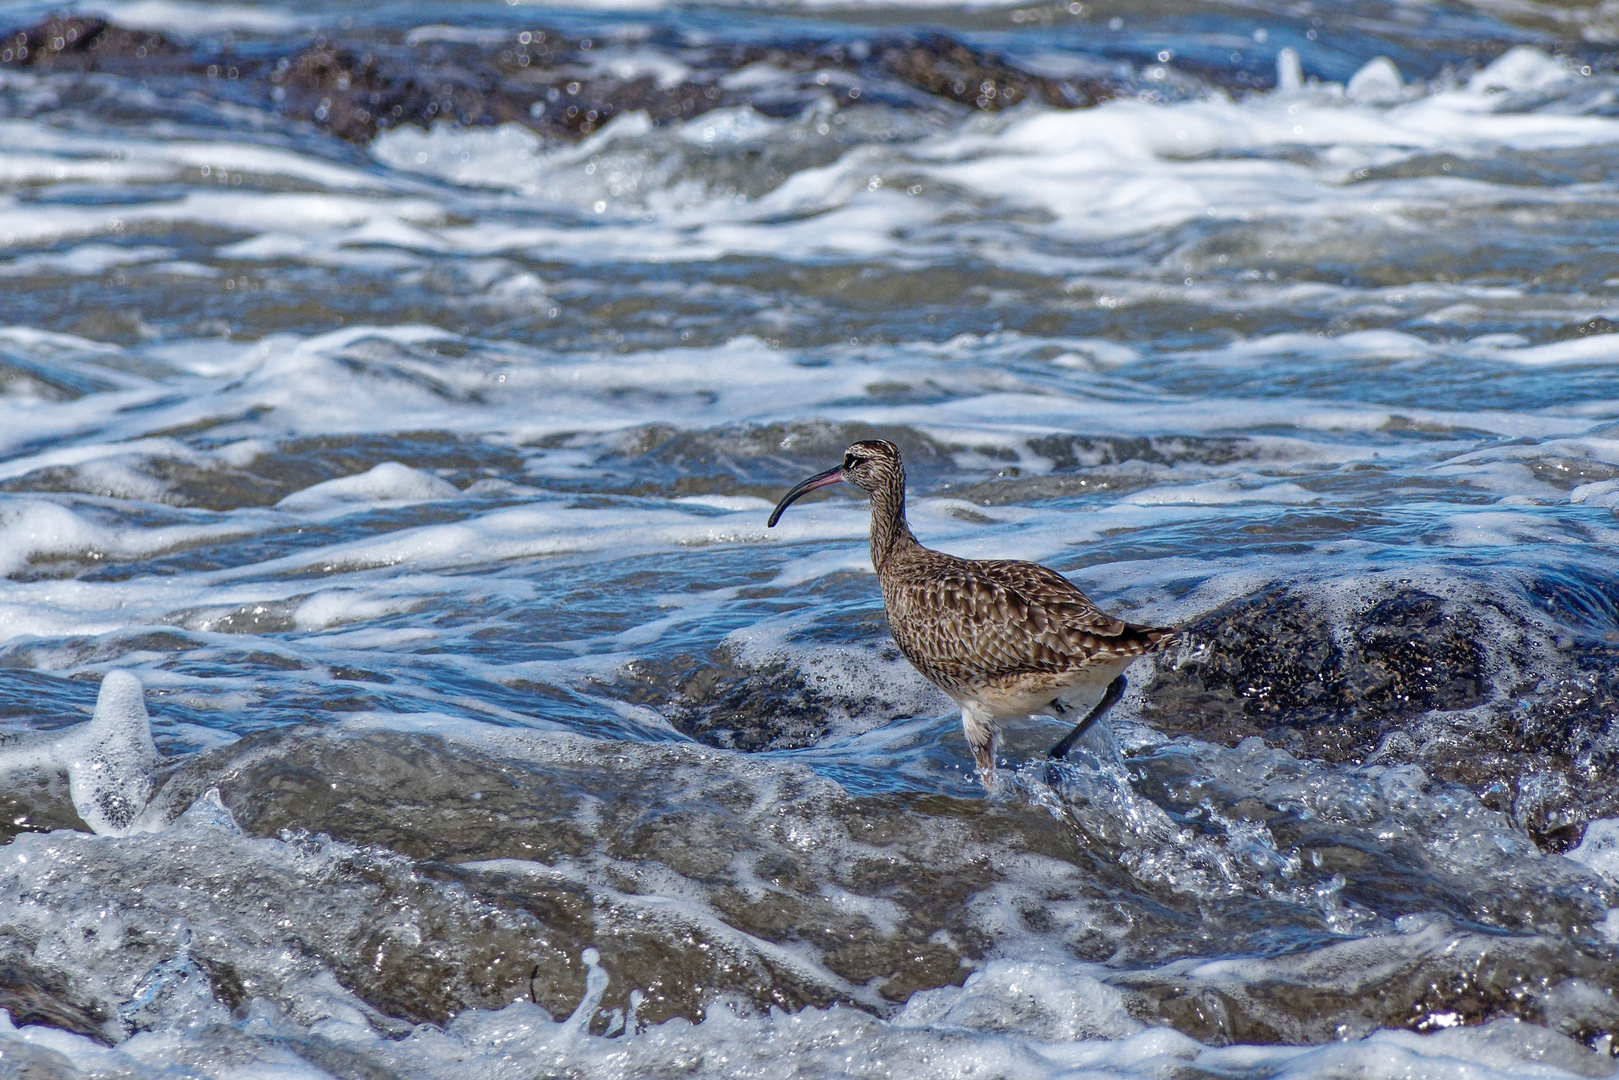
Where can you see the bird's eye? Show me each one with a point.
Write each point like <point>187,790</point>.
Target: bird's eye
<point>848,461</point>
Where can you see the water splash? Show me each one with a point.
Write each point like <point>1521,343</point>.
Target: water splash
<point>110,760</point>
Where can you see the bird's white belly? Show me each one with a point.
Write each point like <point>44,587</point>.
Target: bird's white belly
<point>1079,691</point>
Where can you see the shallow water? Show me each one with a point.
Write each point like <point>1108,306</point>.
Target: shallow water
<point>419,474</point>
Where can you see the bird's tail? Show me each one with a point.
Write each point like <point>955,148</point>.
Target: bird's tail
<point>1150,639</point>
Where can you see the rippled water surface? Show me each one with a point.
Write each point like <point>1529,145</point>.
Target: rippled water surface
<point>418,469</point>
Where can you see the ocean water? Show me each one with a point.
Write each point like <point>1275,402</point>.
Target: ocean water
<point>397,677</point>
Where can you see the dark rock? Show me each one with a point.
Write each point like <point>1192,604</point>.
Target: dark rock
<point>81,43</point>
<point>1279,660</point>
<point>725,704</point>
<point>720,700</point>
<point>541,79</point>
<point>947,68</point>
<point>33,798</point>
<point>1588,328</point>
<point>33,995</point>
<point>35,801</point>
<point>546,85</point>
<point>354,93</point>
<point>1452,685</point>
<point>1068,452</point>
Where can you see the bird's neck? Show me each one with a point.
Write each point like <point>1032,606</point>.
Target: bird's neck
<point>889,531</point>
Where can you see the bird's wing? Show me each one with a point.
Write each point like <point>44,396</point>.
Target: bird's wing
<point>1068,615</point>
<point>995,618</point>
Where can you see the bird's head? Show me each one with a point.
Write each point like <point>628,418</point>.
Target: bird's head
<point>870,465</point>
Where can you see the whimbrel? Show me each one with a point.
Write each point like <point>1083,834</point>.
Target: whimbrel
<point>1004,639</point>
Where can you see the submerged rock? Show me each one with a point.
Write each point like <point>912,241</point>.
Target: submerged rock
<point>428,874</point>
<point>32,995</point>
<point>723,703</point>
<point>1431,975</point>
<point>750,699</point>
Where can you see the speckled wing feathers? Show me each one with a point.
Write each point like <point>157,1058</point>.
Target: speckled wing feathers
<point>963,622</point>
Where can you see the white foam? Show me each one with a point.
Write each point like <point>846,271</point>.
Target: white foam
<point>110,760</point>
<point>185,268</point>
<point>1391,344</point>
<point>335,607</point>
<point>21,223</point>
<point>1123,167</point>
<point>209,812</point>
<point>388,482</point>
<point>1521,69</point>
<point>469,35</point>
<point>1499,528</point>
<point>1376,83</point>
<point>368,379</point>
<point>596,5</point>
<point>1127,166</point>
<point>1600,348</point>
<point>757,76</point>
<point>1596,493</point>
<point>1036,1017</point>
<point>1598,849</point>
<point>1289,73</point>
<point>1221,492</point>
<point>168,15</point>
<point>630,63</point>
<point>44,153</point>
<point>734,126</point>
<point>36,529</point>
<point>25,168</point>
<point>497,156</point>
<point>837,1041</point>
<point>1045,1002</point>
<point>854,5</point>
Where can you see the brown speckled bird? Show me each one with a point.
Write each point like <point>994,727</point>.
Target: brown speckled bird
<point>1004,639</point>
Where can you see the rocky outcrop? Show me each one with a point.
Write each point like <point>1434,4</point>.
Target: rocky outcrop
<point>434,874</point>
<point>544,79</point>
<point>1473,687</point>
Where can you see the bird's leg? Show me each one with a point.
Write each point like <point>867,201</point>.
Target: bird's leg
<point>979,728</point>
<point>1110,697</point>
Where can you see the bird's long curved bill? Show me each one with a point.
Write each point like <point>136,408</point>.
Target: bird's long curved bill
<point>819,480</point>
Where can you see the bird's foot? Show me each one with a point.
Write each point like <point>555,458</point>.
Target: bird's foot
<point>996,786</point>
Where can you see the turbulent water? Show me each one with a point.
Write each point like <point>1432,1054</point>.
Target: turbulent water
<point>391,401</point>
